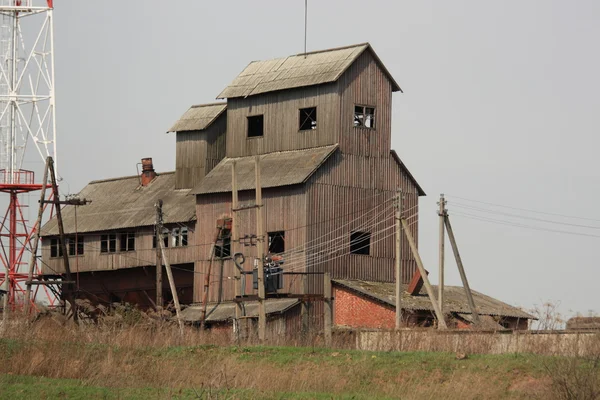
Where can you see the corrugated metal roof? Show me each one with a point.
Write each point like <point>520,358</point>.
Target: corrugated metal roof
<point>198,117</point>
<point>123,203</point>
<point>299,70</point>
<point>277,169</point>
<point>405,169</point>
<point>454,298</point>
<point>226,311</point>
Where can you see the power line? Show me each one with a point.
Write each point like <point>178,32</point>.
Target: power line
<point>526,209</point>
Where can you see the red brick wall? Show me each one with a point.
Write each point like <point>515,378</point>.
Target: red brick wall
<point>357,311</point>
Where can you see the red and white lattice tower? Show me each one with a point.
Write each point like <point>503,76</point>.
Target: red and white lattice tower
<point>27,127</point>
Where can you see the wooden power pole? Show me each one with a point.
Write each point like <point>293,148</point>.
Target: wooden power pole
<point>398,260</point>
<point>260,245</point>
<point>161,245</point>
<point>235,237</point>
<point>428,288</point>
<point>159,238</point>
<point>461,270</point>
<point>36,239</point>
<point>442,214</point>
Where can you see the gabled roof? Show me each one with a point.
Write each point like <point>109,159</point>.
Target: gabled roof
<point>281,168</point>
<point>454,298</point>
<point>299,70</point>
<point>405,169</point>
<point>198,117</point>
<point>123,203</point>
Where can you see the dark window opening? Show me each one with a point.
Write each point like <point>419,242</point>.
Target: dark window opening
<point>223,245</point>
<point>364,116</point>
<point>165,239</point>
<point>255,126</point>
<point>308,118</point>
<point>276,242</point>
<point>108,243</point>
<point>360,243</point>
<point>128,241</point>
<point>55,248</point>
<point>75,247</point>
<point>179,237</point>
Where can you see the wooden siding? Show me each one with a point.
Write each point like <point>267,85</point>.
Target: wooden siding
<point>356,194</point>
<point>281,120</point>
<point>197,152</point>
<point>285,210</point>
<point>93,260</point>
<point>364,83</point>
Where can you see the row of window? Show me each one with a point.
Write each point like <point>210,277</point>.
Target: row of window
<point>118,242</point>
<point>364,116</point>
<point>360,242</point>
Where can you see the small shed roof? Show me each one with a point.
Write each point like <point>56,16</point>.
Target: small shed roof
<point>454,298</point>
<point>123,203</point>
<point>281,168</point>
<point>198,117</point>
<point>226,311</point>
<point>299,70</point>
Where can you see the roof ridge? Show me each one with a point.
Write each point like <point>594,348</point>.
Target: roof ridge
<point>122,178</point>
<point>215,103</point>
<point>332,49</point>
<point>287,151</point>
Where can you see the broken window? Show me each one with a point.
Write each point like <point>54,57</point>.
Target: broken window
<point>308,118</point>
<point>55,248</point>
<point>108,243</point>
<point>179,236</point>
<point>276,242</point>
<point>165,239</point>
<point>364,116</point>
<point>75,245</point>
<point>255,126</point>
<point>360,243</point>
<point>175,237</point>
<point>127,241</point>
<point>223,244</point>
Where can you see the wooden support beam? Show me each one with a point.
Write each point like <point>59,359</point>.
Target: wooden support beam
<point>235,237</point>
<point>36,238</point>
<point>461,270</point>
<point>172,286</point>
<point>428,288</point>
<point>159,238</point>
<point>260,245</point>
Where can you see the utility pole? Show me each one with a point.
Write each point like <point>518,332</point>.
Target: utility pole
<point>36,239</point>
<point>461,270</point>
<point>235,237</point>
<point>161,244</point>
<point>398,223</point>
<point>442,214</point>
<point>328,308</point>
<point>63,240</point>
<point>159,238</point>
<point>260,245</point>
<point>430,293</point>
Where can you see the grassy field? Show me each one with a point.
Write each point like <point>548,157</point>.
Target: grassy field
<point>108,372</point>
<point>51,359</point>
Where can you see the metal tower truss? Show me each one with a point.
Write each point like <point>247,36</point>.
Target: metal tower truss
<point>27,118</point>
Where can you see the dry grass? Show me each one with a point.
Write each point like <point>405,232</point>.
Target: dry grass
<point>138,351</point>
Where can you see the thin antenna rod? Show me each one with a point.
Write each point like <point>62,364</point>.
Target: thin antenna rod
<point>305,24</point>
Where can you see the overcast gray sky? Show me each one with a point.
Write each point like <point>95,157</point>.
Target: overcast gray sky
<point>500,105</point>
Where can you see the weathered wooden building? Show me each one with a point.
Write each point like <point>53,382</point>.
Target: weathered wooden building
<point>320,124</point>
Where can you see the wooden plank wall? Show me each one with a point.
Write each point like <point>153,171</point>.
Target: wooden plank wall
<point>281,120</point>
<point>364,83</point>
<point>93,260</point>
<point>285,210</point>
<point>197,152</point>
<point>353,193</point>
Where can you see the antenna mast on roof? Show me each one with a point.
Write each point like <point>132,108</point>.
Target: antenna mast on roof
<point>305,24</point>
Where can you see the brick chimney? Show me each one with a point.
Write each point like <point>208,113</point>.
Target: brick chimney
<point>148,173</point>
